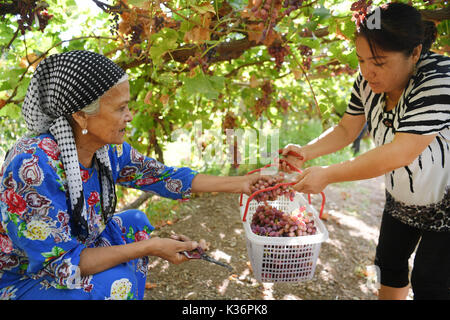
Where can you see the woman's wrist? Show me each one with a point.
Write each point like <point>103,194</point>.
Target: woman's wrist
<point>242,183</point>
<point>332,173</point>
<point>307,153</point>
<point>152,247</point>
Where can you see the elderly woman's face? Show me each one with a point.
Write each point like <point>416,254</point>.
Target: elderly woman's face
<point>108,125</point>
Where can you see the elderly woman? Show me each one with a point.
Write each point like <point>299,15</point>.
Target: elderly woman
<point>59,235</point>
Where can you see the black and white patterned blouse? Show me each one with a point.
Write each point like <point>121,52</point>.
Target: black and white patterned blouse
<point>424,108</point>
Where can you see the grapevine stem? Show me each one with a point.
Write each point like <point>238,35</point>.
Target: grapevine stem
<point>310,86</point>
<point>12,39</point>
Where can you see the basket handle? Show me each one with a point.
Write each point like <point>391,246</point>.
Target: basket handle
<point>244,218</point>
<point>292,167</point>
<point>259,191</point>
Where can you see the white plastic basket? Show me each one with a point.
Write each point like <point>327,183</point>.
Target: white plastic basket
<point>283,259</point>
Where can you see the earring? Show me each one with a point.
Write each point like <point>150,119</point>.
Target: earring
<point>84,131</point>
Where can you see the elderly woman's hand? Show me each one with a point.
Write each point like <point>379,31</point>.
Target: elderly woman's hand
<point>171,249</point>
<point>201,243</point>
<point>251,179</point>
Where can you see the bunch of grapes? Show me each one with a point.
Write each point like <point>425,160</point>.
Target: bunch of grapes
<point>30,12</point>
<point>229,121</point>
<point>283,105</point>
<point>264,102</point>
<point>137,23</point>
<point>262,9</point>
<point>271,195</point>
<point>278,51</point>
<point>361,5</point>
<point>305,50</point>
<point>158,23</point>
<point>136,32</point>
<point>271,222</point>
<point>291,5</point>
<point>306,53</point>
<point>360,9</point>
<point>267,11</point>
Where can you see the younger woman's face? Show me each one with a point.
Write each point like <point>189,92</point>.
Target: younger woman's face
<point>389,71</point>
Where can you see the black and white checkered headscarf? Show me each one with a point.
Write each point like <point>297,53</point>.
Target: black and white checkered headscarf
<point>62,85</point>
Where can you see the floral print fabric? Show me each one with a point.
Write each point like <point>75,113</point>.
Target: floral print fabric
<point>39,247</point>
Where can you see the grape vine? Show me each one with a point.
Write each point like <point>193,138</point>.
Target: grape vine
<point>202,57</point>
<point>29,13</point>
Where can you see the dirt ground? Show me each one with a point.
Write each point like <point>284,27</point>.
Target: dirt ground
<point>354,211</point>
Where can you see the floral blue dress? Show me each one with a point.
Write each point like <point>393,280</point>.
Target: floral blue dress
<point>39,252</point>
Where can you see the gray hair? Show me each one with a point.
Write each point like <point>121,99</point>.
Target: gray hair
<point>94,107</point>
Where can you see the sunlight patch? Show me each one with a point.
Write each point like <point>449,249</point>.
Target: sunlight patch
<point>218,254</point>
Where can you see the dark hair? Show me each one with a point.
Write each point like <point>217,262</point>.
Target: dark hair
<point>402,29</point>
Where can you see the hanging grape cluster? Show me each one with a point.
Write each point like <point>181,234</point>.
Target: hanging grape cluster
<point>360,9</point>
<point>306,53</point>
<point>268,11</point>
<point>283,105</point>
<point>291,5</point>
<point>279,52</point>
<point>229,121</point>
<point>263,103</point>
<point>138,24</point>
<point>30,13</point>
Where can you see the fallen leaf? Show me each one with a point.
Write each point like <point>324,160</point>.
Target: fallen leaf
<point>344,195</point>
<point>149,285</point>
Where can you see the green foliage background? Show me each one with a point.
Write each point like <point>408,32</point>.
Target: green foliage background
<point>181,95</point>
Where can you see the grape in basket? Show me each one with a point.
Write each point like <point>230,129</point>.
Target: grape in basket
<point>270,222</point>
<point>272,193</point>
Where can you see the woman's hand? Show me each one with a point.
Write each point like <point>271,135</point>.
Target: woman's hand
<point>312,180</point>
<point>251,179</point>
<point>171,249</point>
<point>180,237</point>
<point>296,161</point>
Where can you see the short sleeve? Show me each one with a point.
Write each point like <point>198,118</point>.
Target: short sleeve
<point>135,170</point>
<point>35,217</point>
<point>427,107</point>
<point>355,106</point>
